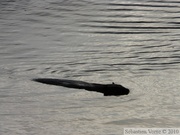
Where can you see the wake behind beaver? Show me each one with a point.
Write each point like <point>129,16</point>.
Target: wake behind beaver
<point>107,89</point>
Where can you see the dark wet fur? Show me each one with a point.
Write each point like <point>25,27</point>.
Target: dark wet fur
<point>106,89</point>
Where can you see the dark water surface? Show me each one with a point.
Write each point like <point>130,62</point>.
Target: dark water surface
<point>135,43</point>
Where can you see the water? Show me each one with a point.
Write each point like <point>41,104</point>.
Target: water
<point>134,43</point>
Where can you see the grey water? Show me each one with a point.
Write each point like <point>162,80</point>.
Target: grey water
<point>135,43</point>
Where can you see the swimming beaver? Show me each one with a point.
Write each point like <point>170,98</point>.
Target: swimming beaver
<point>107,89</point>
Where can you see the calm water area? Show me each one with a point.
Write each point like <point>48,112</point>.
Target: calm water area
<point>135,43</point>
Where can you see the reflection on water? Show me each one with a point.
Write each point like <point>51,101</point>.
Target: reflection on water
<point>134,43</point>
